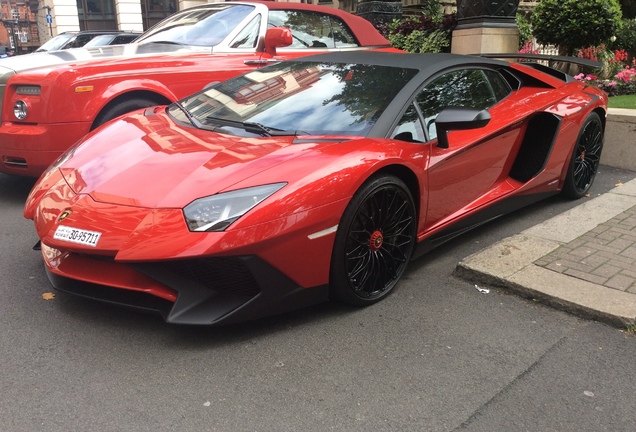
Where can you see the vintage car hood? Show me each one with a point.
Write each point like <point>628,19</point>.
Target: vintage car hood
<point>147,160</point>
<point>95,55</point>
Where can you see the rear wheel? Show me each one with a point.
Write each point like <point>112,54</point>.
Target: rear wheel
<point>374,242</point>
<point>585,158</point>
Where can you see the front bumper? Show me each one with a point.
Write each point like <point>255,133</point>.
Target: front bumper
<point>201,291</point>
<point>28,149</point>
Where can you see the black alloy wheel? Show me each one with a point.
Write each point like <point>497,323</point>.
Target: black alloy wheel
<point>585,158</point>
<point>374,242</point>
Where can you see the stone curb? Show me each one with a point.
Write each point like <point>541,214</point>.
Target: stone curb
<point>509,263</point>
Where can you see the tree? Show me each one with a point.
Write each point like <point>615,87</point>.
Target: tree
<point>573,24</point>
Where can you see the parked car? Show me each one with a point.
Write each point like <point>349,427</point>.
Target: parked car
<point>6,52</point>
<point>114,39</point>
<point>51,100</point>
<point>73,39</point>
<point>310,179</point>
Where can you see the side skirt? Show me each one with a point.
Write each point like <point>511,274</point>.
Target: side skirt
<point>476,219</point>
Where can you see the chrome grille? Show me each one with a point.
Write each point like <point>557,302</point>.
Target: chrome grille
<point>5,74</point>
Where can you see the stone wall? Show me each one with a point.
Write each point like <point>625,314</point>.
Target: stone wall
<point>619,150</point>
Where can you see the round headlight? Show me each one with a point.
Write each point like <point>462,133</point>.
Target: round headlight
<point>20,110</point>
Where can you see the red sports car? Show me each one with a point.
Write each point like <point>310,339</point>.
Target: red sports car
<point>48,101</point>
<point>307,180</point>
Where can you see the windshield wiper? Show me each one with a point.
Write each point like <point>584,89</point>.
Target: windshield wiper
<point>256,128</point>
<point>269,131</point>
<point>196,123</point>
<point>167,42</point>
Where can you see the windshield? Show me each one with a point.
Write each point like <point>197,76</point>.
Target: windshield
<point>199,27</point>
<point>297,98</point>
<point>56,43</point>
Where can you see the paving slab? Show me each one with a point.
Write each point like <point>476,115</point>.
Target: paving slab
<point>582,261</point>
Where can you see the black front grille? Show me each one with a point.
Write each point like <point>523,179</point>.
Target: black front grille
<point>224,275</point>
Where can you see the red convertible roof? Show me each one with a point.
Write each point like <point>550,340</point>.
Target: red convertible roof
<point>365,32</point>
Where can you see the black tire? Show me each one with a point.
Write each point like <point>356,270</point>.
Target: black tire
<point>585,158</point>
<point>374,242</point>
<point>122,107</point>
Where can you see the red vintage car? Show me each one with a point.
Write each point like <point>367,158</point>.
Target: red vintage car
<point>315,178</point>
<point>51,100</point>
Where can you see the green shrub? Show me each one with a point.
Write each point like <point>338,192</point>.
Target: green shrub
<point>422,34</point>
<point>525,30</point>
<point>573,24</point>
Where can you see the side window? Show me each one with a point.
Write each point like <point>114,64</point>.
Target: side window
<point>81,40</point>
<point>464,88</point>
<point>309,29</point>
<point>342,36</point>
<point>410,127</point>
<point>123,39</point>
<point>500,86</point>
<point>248,37</point>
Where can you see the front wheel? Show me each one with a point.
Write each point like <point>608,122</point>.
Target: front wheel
<point>374,242</point>
<point>585,158</point>
<point>121,107</point>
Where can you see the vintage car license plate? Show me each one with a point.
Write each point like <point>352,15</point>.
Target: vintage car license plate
<point>75,235</point>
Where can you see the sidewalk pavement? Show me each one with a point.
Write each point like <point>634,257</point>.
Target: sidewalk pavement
<point>582,261</point>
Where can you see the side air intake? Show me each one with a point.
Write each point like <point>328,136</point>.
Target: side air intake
<point>536,146</point>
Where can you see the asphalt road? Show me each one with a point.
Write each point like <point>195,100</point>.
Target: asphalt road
<point>437,355</point>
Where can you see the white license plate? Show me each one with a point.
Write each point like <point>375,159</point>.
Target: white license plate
<point>74,235</point>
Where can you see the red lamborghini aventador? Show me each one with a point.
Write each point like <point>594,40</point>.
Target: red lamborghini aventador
<point>307,180</point>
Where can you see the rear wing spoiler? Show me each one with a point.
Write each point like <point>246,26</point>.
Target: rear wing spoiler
<point>551,59</point>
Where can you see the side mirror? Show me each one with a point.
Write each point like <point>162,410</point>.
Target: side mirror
<point>277,37</point>
<point>458,119</point>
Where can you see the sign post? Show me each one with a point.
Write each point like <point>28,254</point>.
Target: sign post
<point>49,18</point>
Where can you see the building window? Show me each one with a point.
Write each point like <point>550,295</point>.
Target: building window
<point>96,14</point>
<point>153,11</point>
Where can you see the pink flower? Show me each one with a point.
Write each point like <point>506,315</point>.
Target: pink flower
<point>527,49</point>
<point>626,74</point>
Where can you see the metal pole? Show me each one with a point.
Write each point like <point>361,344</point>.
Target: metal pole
<point>48,12</point>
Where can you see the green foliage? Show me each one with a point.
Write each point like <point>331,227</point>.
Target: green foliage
<point>423,33</point>
<point>431,9</point>
<point>626,38</point>
<point>419,41</point>
<point>573,24</point>
<point>525,29</point>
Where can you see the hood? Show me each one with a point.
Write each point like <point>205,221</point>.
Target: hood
<point>147,160</point>
<point>32,61</point>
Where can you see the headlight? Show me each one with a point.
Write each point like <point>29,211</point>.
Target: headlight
<point>60,160</point>
<point>217,212</point>
<point>20,110</point>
